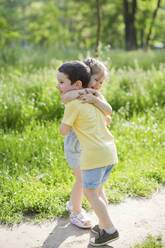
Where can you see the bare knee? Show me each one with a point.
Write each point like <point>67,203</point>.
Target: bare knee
<point>100,190</point>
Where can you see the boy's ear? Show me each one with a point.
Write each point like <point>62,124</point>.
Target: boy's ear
<point>78,83</point>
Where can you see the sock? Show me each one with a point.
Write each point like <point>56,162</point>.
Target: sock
<point>110,230</point>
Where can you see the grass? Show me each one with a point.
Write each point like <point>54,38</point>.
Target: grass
<point>27,96</point>
<point>151,242</point>
<point>46,57</point>
<point>35,179</point>
<point>136,90</point>
<point>133,59</point>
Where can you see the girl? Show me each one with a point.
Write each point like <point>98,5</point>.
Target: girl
<point>72,145</point>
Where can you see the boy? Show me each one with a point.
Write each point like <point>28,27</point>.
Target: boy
<point>97,145</point>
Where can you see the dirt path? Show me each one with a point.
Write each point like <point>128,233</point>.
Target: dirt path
<point>135,218</point>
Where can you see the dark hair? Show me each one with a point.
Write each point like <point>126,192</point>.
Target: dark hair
<point>76,70</point>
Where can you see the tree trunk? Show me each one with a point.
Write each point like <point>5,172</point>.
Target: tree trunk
<point>24,42</point>
<point>98,26</point>
<point>129,19</point>
<point>142,38</point>
<point>152,23</point>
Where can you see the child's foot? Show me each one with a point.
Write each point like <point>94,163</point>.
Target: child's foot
<point>69,208</point>
<point>80,220</point>
<point>95,229</point>
<point>104,238</point>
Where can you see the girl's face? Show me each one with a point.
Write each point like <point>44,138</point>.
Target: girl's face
<point>96,81</point>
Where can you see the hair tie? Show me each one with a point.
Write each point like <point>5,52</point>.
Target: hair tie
<point>91,60</point>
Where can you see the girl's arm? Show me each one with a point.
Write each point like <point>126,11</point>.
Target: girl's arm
<point>95,98</point>
<point>91,96</point>
<point>103,105</point>
<point>71,95</point>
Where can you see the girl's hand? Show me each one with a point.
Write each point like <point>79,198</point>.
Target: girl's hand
<point>89,91</point>
<point>88,98</point>
<point>92,91</point>
<point>82,92</point>
<point>71,95</point>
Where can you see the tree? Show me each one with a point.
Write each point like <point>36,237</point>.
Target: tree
<point>8,24</point>
<point>130,8</point>
<point>98,26</point>
<point>82,24</point>
<point>152,23</point>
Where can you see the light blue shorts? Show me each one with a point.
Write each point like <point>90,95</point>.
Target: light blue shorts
<point>72,150</point>
<point>95,177</point>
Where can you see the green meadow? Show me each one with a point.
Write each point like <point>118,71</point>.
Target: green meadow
<point>35,180</point>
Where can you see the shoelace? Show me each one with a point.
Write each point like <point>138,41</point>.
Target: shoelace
<point>99,233</point>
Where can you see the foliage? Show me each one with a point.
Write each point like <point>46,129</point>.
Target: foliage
<point>73,23</point>
<point>151,242</point>
<point>8,23</point>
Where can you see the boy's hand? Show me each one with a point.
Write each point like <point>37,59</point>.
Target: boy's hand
<point>65,129</point>
<point>108,120</point>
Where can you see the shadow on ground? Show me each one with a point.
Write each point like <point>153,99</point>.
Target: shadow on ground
<point>66,235</point>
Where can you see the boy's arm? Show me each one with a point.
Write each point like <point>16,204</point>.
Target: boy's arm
<point>108,120</point>
<point>64,129</point>
<point>70,115</point>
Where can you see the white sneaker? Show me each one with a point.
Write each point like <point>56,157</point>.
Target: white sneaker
<point>80,220</point>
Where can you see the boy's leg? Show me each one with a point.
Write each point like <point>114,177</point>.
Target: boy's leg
<point>92,179</point>
<point>102,194</point>
<point>99,207</point>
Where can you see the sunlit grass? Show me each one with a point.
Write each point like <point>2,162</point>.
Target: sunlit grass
<point>141,167</point>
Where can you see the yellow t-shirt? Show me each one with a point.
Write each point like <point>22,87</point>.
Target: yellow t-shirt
<point>96,141</point>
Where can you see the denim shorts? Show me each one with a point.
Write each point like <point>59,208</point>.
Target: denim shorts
<point>72,150</point>
<point>95,177</point>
